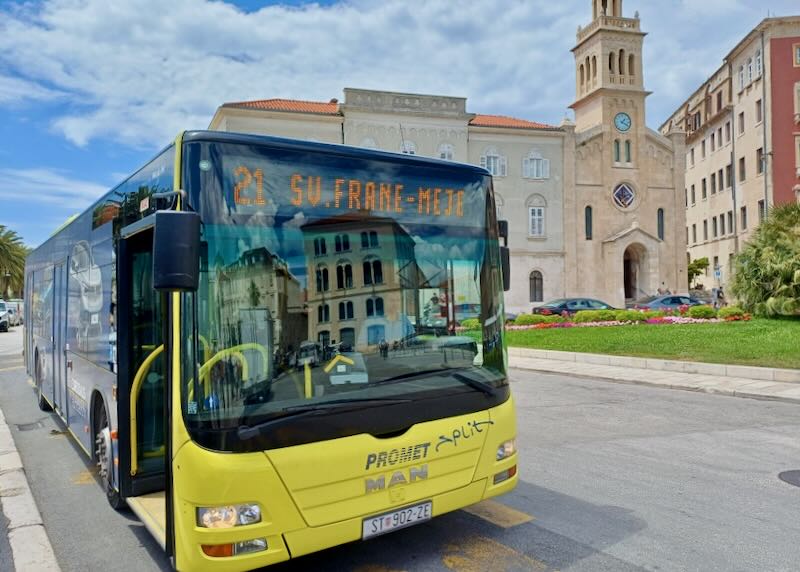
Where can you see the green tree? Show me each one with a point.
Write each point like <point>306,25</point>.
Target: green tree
<point>696,268</point>
<point>766,276</point>
<point>12,262</point>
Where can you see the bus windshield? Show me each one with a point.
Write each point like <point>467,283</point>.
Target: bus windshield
<point>339,282</point>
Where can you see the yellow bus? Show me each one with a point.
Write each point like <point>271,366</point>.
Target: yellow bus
<point>169,327</point>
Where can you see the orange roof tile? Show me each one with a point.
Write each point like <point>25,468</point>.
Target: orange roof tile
<point>505,121</point>
<point>293,105</point>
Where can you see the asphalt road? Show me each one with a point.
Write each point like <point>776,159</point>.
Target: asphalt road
<point>614,478</point>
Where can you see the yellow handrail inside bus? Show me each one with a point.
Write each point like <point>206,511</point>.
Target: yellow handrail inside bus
<point>135,388</point>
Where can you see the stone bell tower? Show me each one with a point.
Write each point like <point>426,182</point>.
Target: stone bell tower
<point>628,200</point>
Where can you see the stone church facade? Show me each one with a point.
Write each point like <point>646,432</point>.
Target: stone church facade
<point>595,207</point>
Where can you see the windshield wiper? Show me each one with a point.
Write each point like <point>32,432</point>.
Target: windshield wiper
<point>305,410</point>
<point>447,372</point>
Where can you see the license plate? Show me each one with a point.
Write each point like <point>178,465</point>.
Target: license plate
<point>397,519</point>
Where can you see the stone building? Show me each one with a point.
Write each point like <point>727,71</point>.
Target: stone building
<point>742,129</point>
<point>595,207</point>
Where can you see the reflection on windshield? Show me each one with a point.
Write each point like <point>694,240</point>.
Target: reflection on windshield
<point>299,306</point>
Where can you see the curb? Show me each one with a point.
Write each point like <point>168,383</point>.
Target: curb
<point>736,387</point>
<point>739,371</point>
<point>30,547</point>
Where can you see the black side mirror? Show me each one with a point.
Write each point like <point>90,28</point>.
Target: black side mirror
<point>505,262</point>
<point>176,251</point>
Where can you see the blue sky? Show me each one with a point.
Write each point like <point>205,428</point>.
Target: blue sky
<point>91,89</point>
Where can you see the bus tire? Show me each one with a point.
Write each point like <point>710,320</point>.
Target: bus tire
<point>43,404</point>
<point>103,452</point>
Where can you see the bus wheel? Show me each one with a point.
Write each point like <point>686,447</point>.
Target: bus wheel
<point>103,455</point>
<point>43,405</point>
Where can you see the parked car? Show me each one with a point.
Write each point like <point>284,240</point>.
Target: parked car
<point>667,302</point>
<point>14,318</point>
<point>5,321</point>
<point>571,306</point>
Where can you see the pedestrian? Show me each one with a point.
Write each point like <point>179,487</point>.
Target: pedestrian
<point>384,348</point>
<point>720,298</point>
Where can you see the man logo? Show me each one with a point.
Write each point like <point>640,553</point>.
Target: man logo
<point>397,478</point>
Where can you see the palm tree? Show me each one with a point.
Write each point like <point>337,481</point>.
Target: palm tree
<point>767,273</point>
<point>12,262</point>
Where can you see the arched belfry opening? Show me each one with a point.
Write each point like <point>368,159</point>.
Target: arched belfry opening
<point>606,8</point>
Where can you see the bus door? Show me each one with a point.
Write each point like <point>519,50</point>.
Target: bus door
<point>142,368</point>
<point>59,338</point>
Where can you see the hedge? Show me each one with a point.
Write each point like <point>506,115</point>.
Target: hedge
<point>702,312</point>
<point>730,312</point>
<point>471,324</point>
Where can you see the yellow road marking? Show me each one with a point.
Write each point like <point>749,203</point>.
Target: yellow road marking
<point>336,360</point>
<point>480,554</point>
<point>12,368</point>
<point>498,514</point>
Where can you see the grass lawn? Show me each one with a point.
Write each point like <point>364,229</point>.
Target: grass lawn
<point>768,343</point>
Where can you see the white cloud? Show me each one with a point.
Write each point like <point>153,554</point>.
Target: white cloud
<point>48,186</point>
<point>141,70</point>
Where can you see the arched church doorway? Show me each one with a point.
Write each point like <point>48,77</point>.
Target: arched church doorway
<point>634,272</point>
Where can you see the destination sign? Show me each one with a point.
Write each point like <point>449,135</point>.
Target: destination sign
<point>338,194</point>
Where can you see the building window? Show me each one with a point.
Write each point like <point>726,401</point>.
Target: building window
<point>345,310</point>
<point>721,180</point>
<point>536,286</point>
<point>713,142</point>
<point>759,63</point>
<point>749,70</point>
<point>374,307</point>
<point>703,149</point>
<point>536,221</point>
<point>446,151</point>
<point>741,122</point>
<point>631,68</point>
<point>760,160</point>
<point>324,337</point>
<point>408,148</point>
<point>719,137</point>
<point>534,166</point>
<point>743,217</point>
<point>762,211</point>
<point>322,279</point>
<point>375,334</point>
<point>722,225</point>
<point>617,151</point>
<point>742,173</point>
<point>660,221</point>
<point>729,175</point>
<point>320,249</point>
<point>342,243</point>
<point>587,220</point>
<point>759,112</point>
<point>730,221</point>
<point>704,189</point>
<point>693,196</point>
<point>628,155</point>
<point>727,132</point>
<point>713,183</point>
<point>796,49</point>
<point>373,271</point>
<point>624,196</point>
<point>741,77</point>
<point>686,196</point>
<point>347,336</point>
<point>492,161</point>
<point>694,234</point>
<point>369,239</point>
<point>714,226</point>
<point>691,157</point>
<point>323,313</point>
<point>344,275</point>
<point>705,229</point>
<point>719,101</point>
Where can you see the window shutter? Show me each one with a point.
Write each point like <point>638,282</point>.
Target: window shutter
<point>502,166</point>
<point>526,168</point>
<point>545,168</point>
<point>483,161</point>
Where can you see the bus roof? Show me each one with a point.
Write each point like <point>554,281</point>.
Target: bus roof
<point>328,148</point>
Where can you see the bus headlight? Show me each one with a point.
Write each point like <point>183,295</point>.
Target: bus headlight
<point>228,516</point>
<point>506,449</point>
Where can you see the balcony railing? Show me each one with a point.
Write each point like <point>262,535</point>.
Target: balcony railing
<point>608,22</point>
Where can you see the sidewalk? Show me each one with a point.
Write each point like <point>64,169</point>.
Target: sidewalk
<point>754,383</point>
